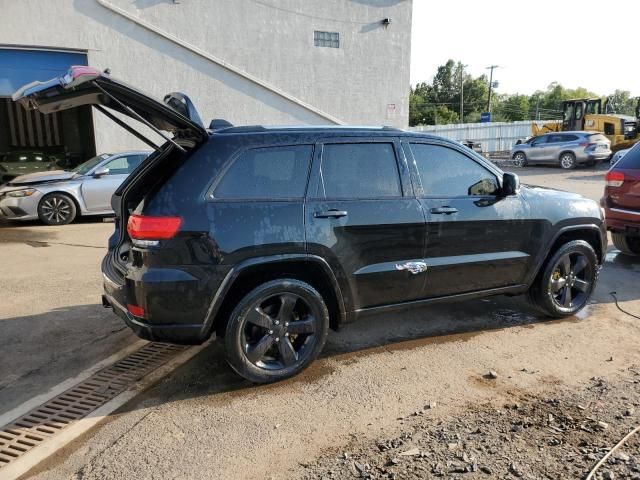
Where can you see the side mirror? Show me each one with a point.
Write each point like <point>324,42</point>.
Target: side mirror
<point>510,184</point>
<point>101,172</point>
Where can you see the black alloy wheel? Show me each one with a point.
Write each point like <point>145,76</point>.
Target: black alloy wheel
<point>571,281</point>
<point>276,331</point>
<point>567,280</point>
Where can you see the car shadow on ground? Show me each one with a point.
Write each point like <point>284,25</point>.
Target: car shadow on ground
<point>208,375</point>
<point>39,351</point>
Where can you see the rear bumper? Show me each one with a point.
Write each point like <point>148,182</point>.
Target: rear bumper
<point>620,220</point>
<point>592,156</point>
<point>119,292</point>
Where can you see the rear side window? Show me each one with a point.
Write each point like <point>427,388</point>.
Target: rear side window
<point>631,160</point>
<point>570,138</point>
<point>359,170</point>
<point>267,173</point>
<point>445,172</point>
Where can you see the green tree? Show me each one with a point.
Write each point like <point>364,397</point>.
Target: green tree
<point>622,102</point>
<point>510,108</point>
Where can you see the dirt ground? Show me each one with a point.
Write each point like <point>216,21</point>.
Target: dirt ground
<point>560,434</point>
<point>362,404</point>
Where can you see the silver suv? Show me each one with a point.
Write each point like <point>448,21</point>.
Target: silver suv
<point>567,149</point>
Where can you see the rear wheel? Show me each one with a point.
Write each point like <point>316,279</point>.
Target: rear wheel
<point>276,331</point>
<point>626,244</point>
<point>520,159</point>
<point>56,209</point>
<point>567,280</point>
<point>568,161</point>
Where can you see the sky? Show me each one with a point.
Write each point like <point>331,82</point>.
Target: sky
<point>591,44</point>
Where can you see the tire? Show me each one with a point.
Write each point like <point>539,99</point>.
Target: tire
<point>562,289</point>
<point>57,209</point>
<point>568,161</point>
<point>258,339</point>
<point>520,159</point>
<point>626,244</point>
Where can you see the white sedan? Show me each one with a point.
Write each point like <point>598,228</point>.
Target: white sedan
<point>58,197</point>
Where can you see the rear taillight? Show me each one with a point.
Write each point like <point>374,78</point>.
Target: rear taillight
<point>141,227</point>
<point>585,144</point>
<point>614,179</point>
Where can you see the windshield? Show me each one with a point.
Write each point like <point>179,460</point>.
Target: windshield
<point>83,168</point>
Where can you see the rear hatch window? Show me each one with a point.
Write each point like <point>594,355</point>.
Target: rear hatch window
<point>631,160</point>
<point>598,138</point>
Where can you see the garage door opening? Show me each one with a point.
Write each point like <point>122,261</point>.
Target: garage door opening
<point>29,140</point>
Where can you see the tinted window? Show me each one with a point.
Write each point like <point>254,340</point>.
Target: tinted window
<point>359,170</point>
<point>556,138</point>
<point>267,173</point>
<point>445,172</point>
<point>124,165</point>
<point>631,160</point>
<point>536,141</point>
<point>570,138</point>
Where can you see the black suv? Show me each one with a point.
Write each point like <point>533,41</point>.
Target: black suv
<point>268,237</point>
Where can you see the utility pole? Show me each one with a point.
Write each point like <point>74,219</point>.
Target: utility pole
<point>492,67</point>
<point>538,108</point>
<point>462,92</point>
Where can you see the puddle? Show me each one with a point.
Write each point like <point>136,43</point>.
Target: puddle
<point>627,261</point>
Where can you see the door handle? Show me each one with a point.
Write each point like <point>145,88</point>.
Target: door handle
<point>444,210</point>
<point>332,213</point>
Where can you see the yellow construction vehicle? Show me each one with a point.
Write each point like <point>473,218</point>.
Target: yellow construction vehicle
<point>586,114</point>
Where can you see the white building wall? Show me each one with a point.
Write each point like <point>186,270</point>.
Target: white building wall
<point>365,81</point>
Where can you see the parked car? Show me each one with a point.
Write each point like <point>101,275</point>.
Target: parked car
<point>14,164</point>
<point>58,197</point>
<point>567,149</point>
<point>617,156</point>
<point>621,202</point>
<point>268,237</point>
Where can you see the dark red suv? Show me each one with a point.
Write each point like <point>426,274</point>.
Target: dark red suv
<point>622,202</point>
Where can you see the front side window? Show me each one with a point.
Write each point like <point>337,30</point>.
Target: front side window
<point>359,170</point>
<point>537,141</point>
<point>267,173</point>
<point>445,172</point>
<point>123,165</point>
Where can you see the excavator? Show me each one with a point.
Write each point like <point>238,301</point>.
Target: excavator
<point>586,114</point>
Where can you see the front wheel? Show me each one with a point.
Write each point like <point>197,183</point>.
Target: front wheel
<point>626,244</point>
<point>568,161</point>
<point>276,331</point>
<point>567,280</point>
<point>520,159</point>
<point>56,209</point>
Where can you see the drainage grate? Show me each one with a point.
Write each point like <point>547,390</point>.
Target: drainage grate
<point>52,417</point>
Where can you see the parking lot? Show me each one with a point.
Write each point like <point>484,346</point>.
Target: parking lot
<point>206,422</point>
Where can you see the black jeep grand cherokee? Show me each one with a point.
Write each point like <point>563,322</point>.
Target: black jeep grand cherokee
<point>270,236</point>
